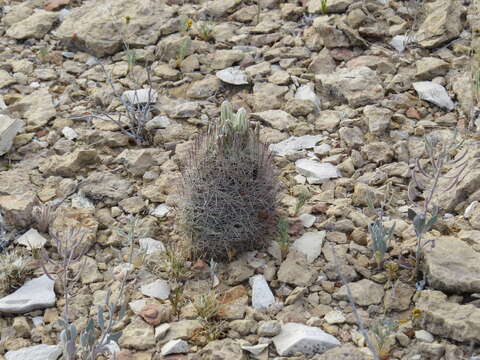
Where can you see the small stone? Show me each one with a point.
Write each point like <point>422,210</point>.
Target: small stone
<point>295,144</point>
<point>151,246</point>
<point>158,122</point>
<point>175,347</point>
<point>277,119</point>
<point>262,296</point>
<point>310,244</point>
<point>364,292</point>
<point>161,211</point>
<point>316,172</point>
<point>32,239</point>
<point>137,335</point>
<point>335,317</point>
<point>307,220</point>
<point>34,294</point>
<point>296,270</point>
<point>269,328</point>
<point>233,75</point>
<point>8,130</point>
<point>298,338</point>
<point>161,331</point>
<point>423,335</point>
<point>69,133</point>
<point>434,93</point>
<point>155,314</point>
<point>306,92</point>
<point>159,289</point>
<point>141,96</point>
<point>255,349</point>
<point>37,352</point>
<point>36,25</point>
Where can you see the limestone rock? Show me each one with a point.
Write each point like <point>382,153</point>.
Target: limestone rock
<point>310,244</point>
<point>442,24</point>
<point>36,25</point>
<point>364,292</point>
<point>159,289</point>
<point>32,239</point>
<point>17,209</point>
<point>98,33</point>
<point>295,144</point>
<point>448,319</point>
<point>151,246</point>
<point>358,86</point>
<point>140,96</point>
<point>452,266</point>
<point>430,67</point>
<point>137,335</point>
<point>233,75</point>
<point>37,109</point>
<point>223,349</point>
<point>6,80</point>
<point>434,93</point>
<point>269,328</point>
<point>296,270</point>
<point>307,92</point>
<point>37,352</point>
<point>34,294</point>
<point>343,352</point>
<point>70,165</point>
<point>315,171</point>
<point>333,6</point>
<point>8,130</point>
<point>298,338</point>
<point>277,119</point>
<point>262,296</point>
<point>139,161</point>
<point>175,347</point>
<point>106,186</point>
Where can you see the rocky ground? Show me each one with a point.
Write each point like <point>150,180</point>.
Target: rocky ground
<point>344,93</point>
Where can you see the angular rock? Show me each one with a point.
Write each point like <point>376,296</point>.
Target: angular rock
<point>315,171</point>
<point>151,246</point>
<point>17,209</point>
<point>269,328</point>
<point>295,144</point>
<point>8,130</point>
<point>159,289</point>
<point>70,165</point>
<point>335,317</point>
<point>378,118</point>
<point>277,119</point>
<point>399,298</point>
<point>298,338</point>
<point>37,352</point>
<point>434,93</point>
<point>99,33</point>
<point>205,88</point>
<point>141,96</point>
<point>139,161</point>
<point>233,75</point>
<point>106,186</point>
<point>448,319</point>
<point>310,244</point>
<point>452,266</point>
<point>307,92</point>
<point>364,292</point>
<point>37,109</point>
<point>358,86</point>
<point>442,24</point>
<point>34,294</point>
<point>161,211</point>
<point>32,239</point>
<point>296,270</point>
<point>430,67</point>
<point>155,314</point>
<point>6,80</point>
<point>223,349</point>
<point>137,335</point>
<point>175,347</point>
<point>343,352</point>
<point>262,296</point>
<point>36,25</point>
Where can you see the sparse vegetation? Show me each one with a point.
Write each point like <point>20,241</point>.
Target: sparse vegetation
<point>205,30</point>
<point>301,201</point>
<point>383,331</point>
<point>229,189</point>
<point>15,268</point>
<point>283,237</point>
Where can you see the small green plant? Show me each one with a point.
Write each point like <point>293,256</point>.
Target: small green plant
<point>440,157</point>
<point>175,263</point>
<point>131,56</point>
<point>205,30</point>
<point>43,54</point>
<point>206,305</point>
<point>259,10</point>
<point>283,237</point>
<point>324,6</point>
<point>182,51</point>
<point>43,216</point>
<point>301,201</point>
<point>185,24</point>
<point>176,298</point>
<point>15,268</point>
<point>382,336</point>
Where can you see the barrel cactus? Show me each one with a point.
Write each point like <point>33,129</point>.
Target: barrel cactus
<point>229,189</point>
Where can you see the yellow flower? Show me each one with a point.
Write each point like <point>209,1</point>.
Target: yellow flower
<point>189,23</point>
<point>416,313</point>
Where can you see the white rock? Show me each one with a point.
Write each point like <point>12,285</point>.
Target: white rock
<point>300,179</point>
<point>32,239</point>
<point>161,331</point>
<point>315,171</point>
<point>34,294</point>
<point>424,336</point>
<point>69,133</point>
<point>470,209</point>
<point>295,144</point>
<point>161,210</point>
<point>141,96</point>
<point>158,289</point>
<point>175,347</point>
<point>334,317</point>
<point>37,352</point>
<point>3,106</point>
<point>434,93</point>
<point>307,92</point>
<point>38,320</point>
<point>307,220</point>
<point>79,200</point>
<point>233,75</point>
<point>298,338</point>
<point>151,246</point>
<point>310,244</point>
<point>322,150</point>
<point>8,130</point>
<point>255,349</point>
<point>262,296</point>
<point>137,305</point>
<point>158,122</point>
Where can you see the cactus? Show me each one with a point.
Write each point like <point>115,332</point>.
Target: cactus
<point>229,189</point>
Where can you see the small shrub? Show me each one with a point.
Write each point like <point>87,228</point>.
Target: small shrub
<point>229,189</point>
<point>206,305</point>
<point>205,30</point>
<point>15,268</point>
<point>383,331</point>
<point>283,237</point>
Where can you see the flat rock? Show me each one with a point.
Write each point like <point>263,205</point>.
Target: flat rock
<point>137,335</point>
<point>161,211</point>
<point>233,75</point>
<point>175,347</point>
<point>159,289</point>
<point>277,119</point>
<point>106,186</point>
<point>296,270</point>
<point>298,338</point>
<point>333,6</point>
<point>364,292</point>
<point>295,144</point>
<point>8,130</point>
<point>434,93</point>
<point>262,296</point>
<point>452,266</point>
<point>32,239</point>
<point>37,352</point>
<point>315,171</point>
<point>37,109</point>
<point>99,33</point>
<point>448,319</point>
<point>6,80</point>
<point>151,246</point>
<point>141,96</point>
<point>310,244</point>
<point>307,92</point>
<point>36,25</point>
<point>34,294</point>
<point>17,209</point>
<point>343,352</point>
